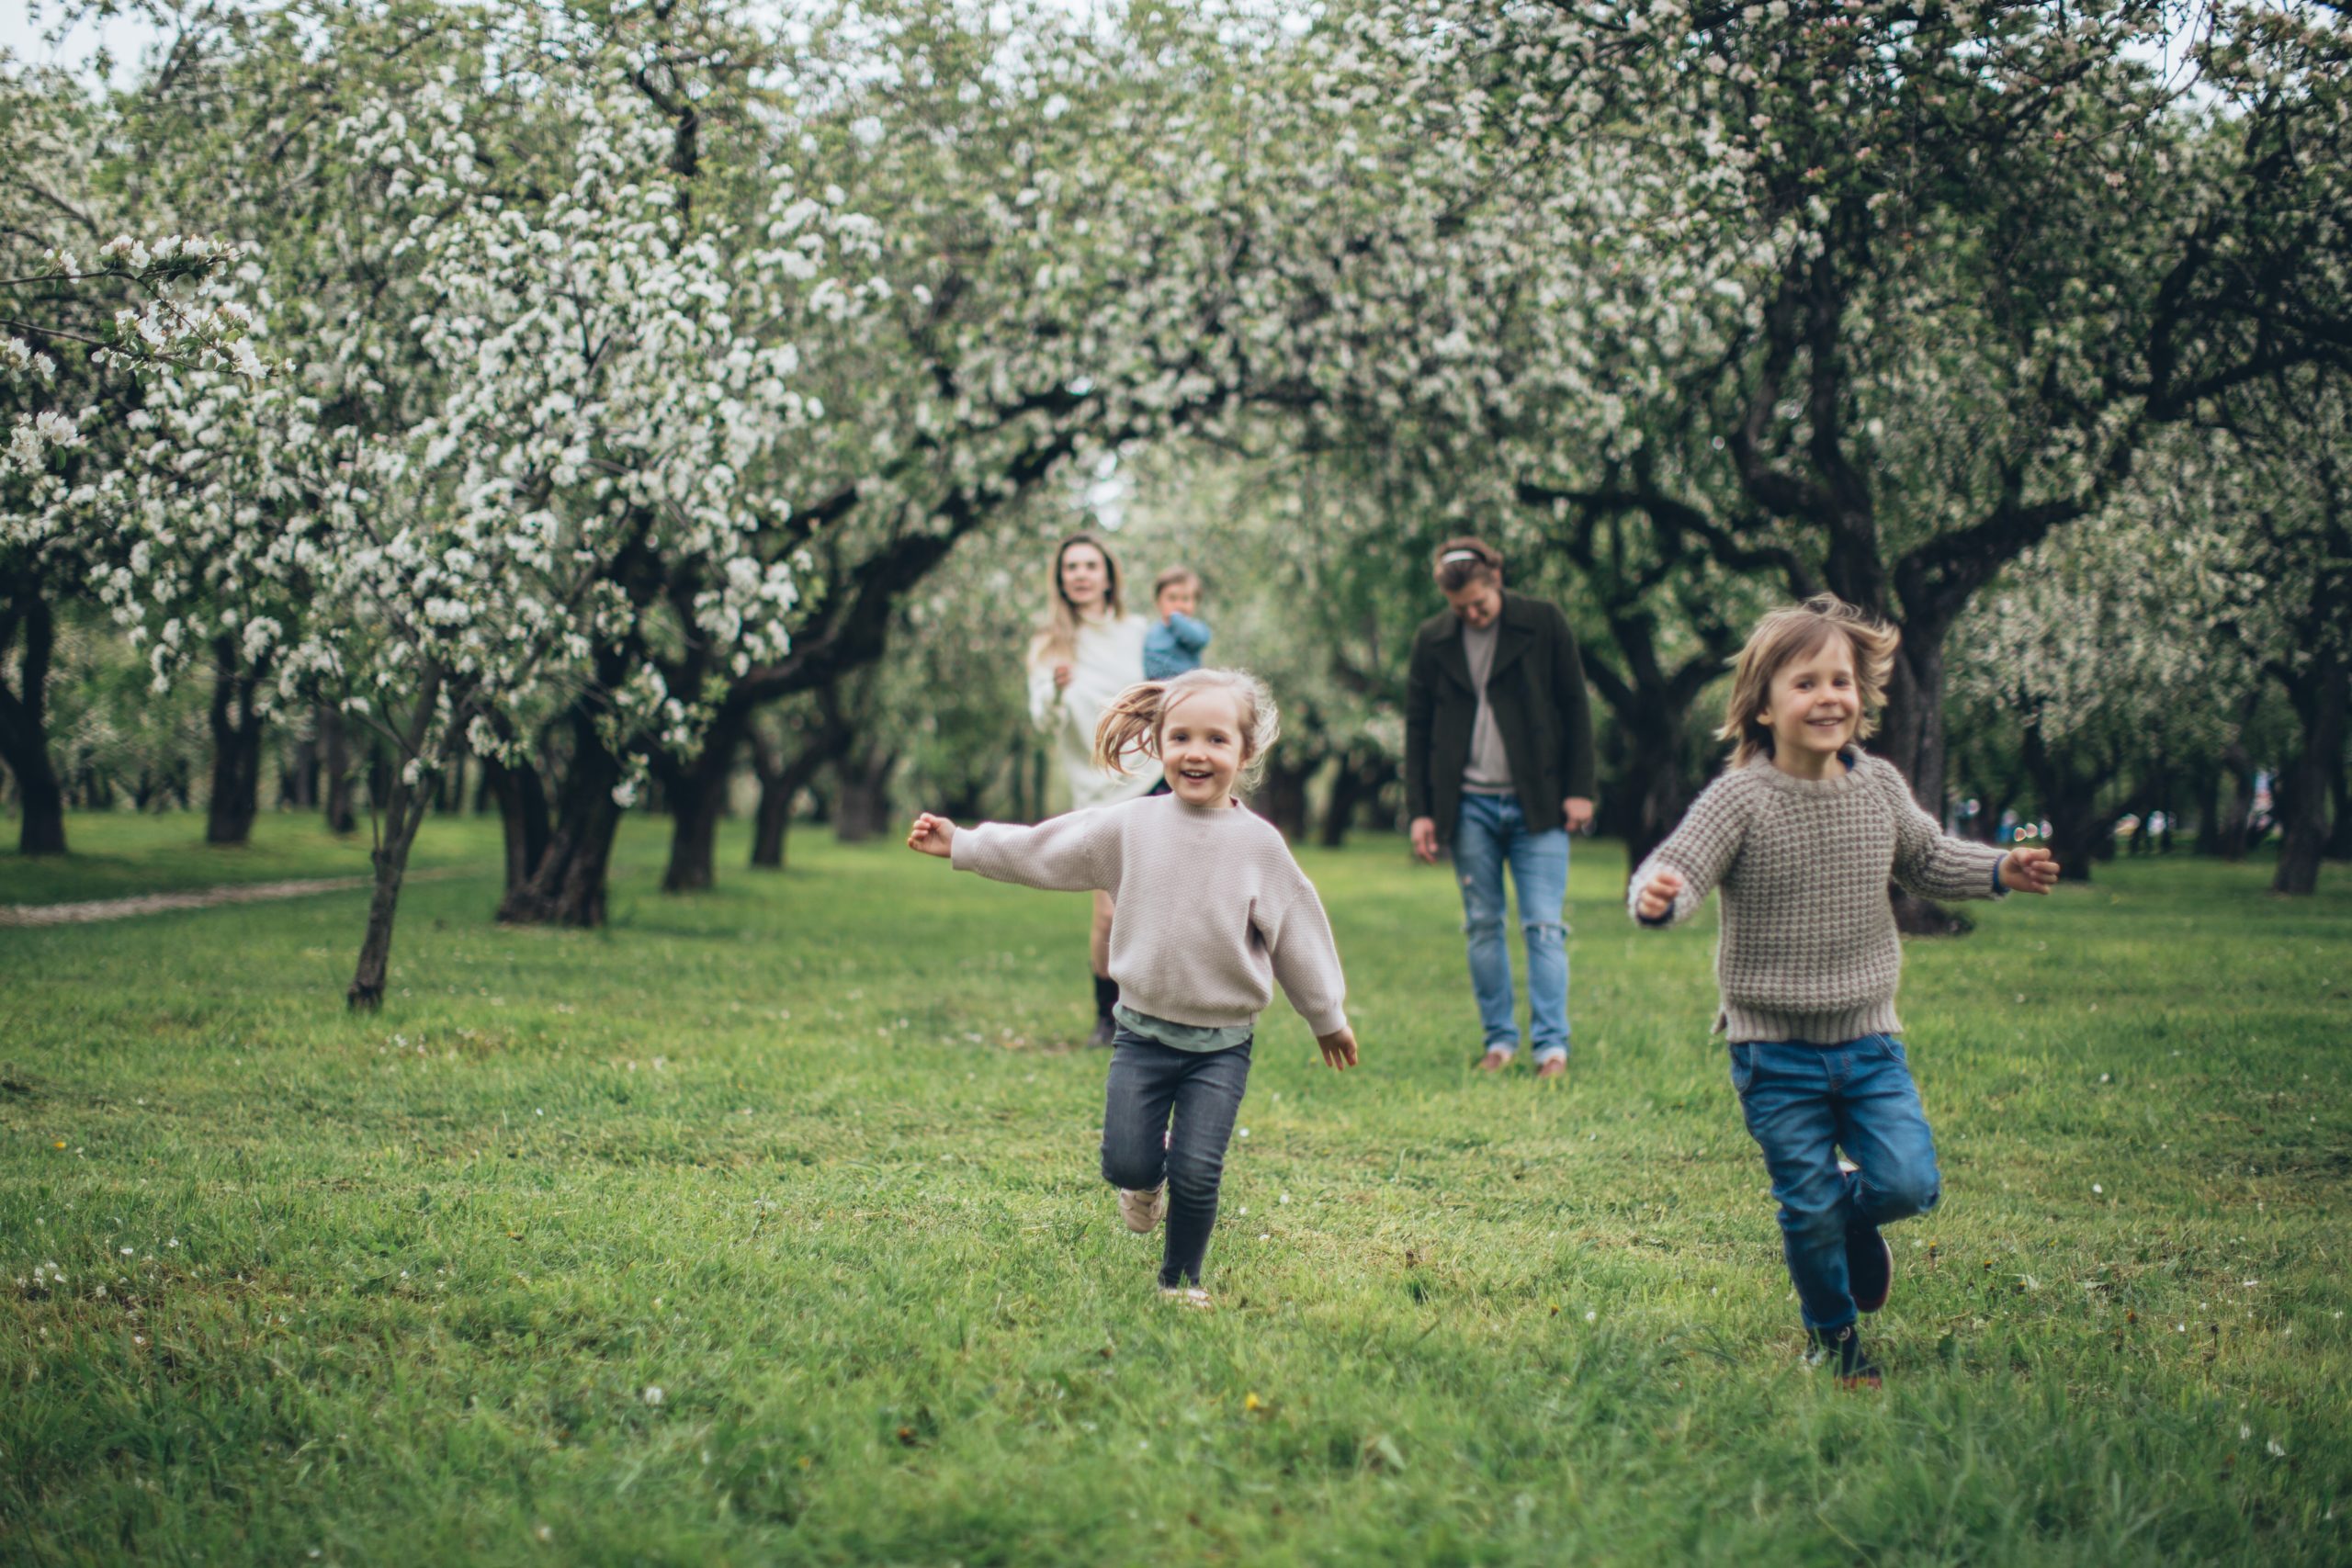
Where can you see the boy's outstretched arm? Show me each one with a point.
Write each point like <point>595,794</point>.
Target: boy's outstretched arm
<point>1677,876</point>
<point>1930,863</point>
<point>1190,634</point>
<point>2029,871</point>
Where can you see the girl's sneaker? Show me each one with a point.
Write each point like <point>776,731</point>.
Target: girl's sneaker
<point>1186,1296</point>
<point>1142,1210</point>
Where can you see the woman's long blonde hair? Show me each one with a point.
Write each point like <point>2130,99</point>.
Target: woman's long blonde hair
<point>1790,634</point>
<point>1057,639</point>
<point>1130,725</point>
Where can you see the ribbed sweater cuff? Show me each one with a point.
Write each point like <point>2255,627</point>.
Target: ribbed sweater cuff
<point>1743,1024</point>
<point>1327,1023</point>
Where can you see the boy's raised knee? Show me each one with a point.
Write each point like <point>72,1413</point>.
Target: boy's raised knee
<point>1905,1196</point>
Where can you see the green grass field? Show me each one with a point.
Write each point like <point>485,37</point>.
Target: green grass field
<point>808,1156</point>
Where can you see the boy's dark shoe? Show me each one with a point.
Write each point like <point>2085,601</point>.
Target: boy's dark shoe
<point>1842,1347</point>
<point>1869,1267</point>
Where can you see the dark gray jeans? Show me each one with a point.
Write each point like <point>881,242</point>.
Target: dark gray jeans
<point>1168,1115</point>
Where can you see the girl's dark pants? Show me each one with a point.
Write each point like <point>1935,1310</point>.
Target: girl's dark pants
<point>1168,1115</point>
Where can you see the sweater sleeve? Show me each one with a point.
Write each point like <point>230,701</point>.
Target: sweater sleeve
<point>1074,853</point>
<point>1700,850</point>
<point>1190,634</point>
<point>1307,960</point>
<point>1927,861</point>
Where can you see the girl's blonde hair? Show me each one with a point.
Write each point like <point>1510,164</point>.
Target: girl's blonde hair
<point>1131,724</point>
<point>1057,639</point>
<point>1786,635</point>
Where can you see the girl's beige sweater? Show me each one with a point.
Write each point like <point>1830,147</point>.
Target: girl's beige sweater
<point>1210,909</point>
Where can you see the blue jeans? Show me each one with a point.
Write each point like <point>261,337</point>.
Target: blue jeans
<point>1803,1104</point>
<point>1493,831</point>
<point>1168,1116</point>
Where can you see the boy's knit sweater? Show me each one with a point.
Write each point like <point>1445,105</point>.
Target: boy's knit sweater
<point>1210,909</point>
<point>1808,949</point>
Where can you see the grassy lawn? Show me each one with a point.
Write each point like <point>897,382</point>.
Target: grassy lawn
<point>118,854</point>
<point>808,1156</point>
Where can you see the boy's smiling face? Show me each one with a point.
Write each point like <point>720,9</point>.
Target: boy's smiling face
<point>1179,599</point>
<point>1201,746</point>
<point>1817,704</point>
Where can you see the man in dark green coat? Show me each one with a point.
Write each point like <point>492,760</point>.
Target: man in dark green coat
<point>1499,767</point>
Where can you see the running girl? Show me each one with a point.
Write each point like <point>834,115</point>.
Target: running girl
<point>1212,912</point>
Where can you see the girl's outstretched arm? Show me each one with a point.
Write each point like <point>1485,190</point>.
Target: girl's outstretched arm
<point>1074,853</point>
<point>933,836</point>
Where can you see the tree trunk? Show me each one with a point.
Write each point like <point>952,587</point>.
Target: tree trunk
<point>2339,835</point>
<point>1281,798</point>
<point>522,817</point>
<point>2238,819</point>
<point>236,747</point>
<point>403,814</point>
<point>1356,780</point>
<point>2319,698</point>
<point>334,767</point>
<point>697,800</point>
<point>773,822</point>
<point>299,780</point>
<point>863,806</point>
<point>567,885</point>
<point>24,732</point>
<point>781,782</point>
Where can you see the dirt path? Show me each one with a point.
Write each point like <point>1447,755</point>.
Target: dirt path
<point>156,903</point>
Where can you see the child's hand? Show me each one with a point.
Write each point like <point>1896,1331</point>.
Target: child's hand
<point>933,836</point>
<point>1659,895</point>
<point>2029,871</point>
<point>1339,1048</point>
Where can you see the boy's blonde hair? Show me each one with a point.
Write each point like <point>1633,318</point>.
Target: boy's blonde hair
<point>1785,635</point>
<point>1131,724</point>
<point>1170,577</point>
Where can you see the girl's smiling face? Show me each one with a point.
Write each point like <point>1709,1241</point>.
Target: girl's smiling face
<point>1815,706</point>
<point>1202,747</point>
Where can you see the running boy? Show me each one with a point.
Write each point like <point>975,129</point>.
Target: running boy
<point>1803,831</point>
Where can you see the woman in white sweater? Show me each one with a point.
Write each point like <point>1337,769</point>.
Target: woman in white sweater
<point>1087,652</point>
